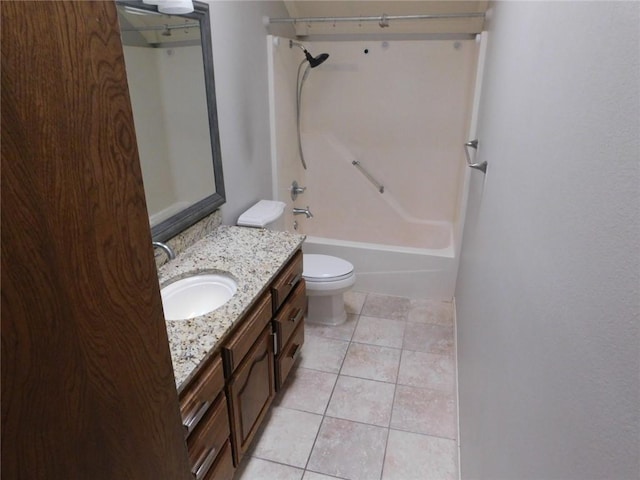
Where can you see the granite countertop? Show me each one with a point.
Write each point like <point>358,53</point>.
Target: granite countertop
<point>253,257</point>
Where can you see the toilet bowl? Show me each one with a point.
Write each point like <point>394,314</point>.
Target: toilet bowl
<point>326,277</point>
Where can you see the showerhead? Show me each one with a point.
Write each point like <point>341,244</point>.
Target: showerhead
<point>313,61</point>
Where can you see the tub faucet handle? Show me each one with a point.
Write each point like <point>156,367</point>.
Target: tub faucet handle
<point>303,211</point>
<point>296,190</point>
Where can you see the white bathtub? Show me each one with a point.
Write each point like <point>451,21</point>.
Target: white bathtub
<point>391,270</point>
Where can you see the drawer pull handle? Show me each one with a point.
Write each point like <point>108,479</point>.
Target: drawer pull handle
<point>294,318</point>
<point>295,350</point>
<point>294,280</point>
<point>203,465</point>
<point>194,417</point>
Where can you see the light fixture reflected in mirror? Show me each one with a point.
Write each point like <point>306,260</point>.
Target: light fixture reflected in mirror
<point>175,7</point>
<point>172,7</point>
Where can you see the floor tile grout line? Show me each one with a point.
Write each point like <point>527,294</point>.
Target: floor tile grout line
<point>324,415</point>
<point>382,346</point>
<point>427,388</point>
<point>396,383</point>
<point>325,474</point>
<point>393,404</point>
<point>423,434</point>
<point>359,422</point>
<point>376,345</point>
<point>365,378</point>
<point>274,461</point>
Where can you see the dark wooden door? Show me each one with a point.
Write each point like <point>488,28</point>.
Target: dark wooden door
<point>87,384</point>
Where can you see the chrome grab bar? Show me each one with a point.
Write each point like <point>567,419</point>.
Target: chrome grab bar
<point>478,166</point>
<point>376,183</point>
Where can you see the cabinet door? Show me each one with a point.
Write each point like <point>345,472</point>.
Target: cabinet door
<point>250,392</point>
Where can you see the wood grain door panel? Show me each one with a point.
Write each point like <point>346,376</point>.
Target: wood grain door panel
<point>87,382</point>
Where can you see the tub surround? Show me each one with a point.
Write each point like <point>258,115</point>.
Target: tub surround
<point>253,257</point>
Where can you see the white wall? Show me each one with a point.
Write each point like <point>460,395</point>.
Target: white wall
<point>145,90</point>
<point>240,63</point>
<point>172,126</point>
<point>186,117</point>
<point>548,294</point>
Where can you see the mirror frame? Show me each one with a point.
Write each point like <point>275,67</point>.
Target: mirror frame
<point>179,222</point>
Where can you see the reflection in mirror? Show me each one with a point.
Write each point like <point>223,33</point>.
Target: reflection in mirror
<point>170,75</point>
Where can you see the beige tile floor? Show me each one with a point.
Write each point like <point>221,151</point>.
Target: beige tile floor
<point>373,399</point>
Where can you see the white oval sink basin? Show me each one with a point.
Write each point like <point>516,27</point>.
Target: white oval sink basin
<point>196,295</point>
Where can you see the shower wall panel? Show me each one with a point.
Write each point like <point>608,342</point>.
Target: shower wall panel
<point>283,64</point>
<point>401,109</point>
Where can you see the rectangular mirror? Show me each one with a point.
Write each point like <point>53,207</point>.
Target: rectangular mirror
<point>169,64</point>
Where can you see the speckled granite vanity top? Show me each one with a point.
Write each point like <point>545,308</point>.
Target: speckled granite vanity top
<point>253,257</point>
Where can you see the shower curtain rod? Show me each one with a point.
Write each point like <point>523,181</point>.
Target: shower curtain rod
<point>161,27</point>
<point>383,20</point>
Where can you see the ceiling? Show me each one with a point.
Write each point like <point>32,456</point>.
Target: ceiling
<point>146,28</point>
<point>358,8</point>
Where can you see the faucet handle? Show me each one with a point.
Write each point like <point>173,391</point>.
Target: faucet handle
<point>296,190</point>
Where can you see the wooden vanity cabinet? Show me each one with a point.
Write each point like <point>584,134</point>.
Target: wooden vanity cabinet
<point>288,325</point>
<point>198,396</point>
<point>206,445</point>
<point>286,281</point>
<point>225,403</point>
<point>250,362</point>
<point>250,392</point>
<point>205,420</point>
<point>249,370</point>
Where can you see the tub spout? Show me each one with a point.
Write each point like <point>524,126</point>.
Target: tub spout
<point>302,211</point>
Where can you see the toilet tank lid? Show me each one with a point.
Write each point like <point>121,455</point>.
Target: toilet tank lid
<point>262,214</point>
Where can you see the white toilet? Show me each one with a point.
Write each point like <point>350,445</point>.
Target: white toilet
<point>327,277</point>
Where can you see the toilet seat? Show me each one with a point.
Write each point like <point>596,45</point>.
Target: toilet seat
<point>325,268</point>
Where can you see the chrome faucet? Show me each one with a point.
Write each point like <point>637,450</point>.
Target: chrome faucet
<point>302,211</point>
<point>166,248</point>
<point>296,190</point>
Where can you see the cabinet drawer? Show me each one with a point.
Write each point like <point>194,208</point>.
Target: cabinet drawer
<point>244,337</point>
<point>286,281</point>
<point>288,355</point>
<point>250,393</point>
<point>200,394</point>
<point>223,468</point>
<point>290,315</point>
<point>208,439</point>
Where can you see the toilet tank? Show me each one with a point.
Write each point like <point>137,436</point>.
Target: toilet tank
<point>267,214</point>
